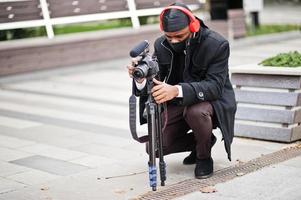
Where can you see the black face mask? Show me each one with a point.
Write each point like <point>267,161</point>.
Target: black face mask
<point>179,47</point>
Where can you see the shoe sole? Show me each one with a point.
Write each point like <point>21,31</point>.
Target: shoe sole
<point>204,177</point>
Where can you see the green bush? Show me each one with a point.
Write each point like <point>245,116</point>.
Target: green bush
<point>291,59</point>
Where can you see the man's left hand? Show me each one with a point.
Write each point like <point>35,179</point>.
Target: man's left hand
<point>163,92</point>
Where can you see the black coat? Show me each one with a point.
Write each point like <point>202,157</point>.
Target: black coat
<point>206,78</point>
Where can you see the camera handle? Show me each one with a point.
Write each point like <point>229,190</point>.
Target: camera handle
<point>154,136</point>
<point>155,139</point>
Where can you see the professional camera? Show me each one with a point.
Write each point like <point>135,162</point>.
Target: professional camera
<point>147,66</point>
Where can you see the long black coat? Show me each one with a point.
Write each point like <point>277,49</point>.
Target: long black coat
<point>206,77</point>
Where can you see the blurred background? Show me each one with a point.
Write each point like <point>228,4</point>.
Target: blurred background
<point>270,12</point>
<point>65,22</point>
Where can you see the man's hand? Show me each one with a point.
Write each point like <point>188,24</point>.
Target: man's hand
<point>131,68</point>
<point>163,92</point>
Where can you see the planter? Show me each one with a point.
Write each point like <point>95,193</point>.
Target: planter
<point>268,102</point>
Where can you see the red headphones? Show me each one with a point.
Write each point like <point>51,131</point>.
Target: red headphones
<point>194,24</point>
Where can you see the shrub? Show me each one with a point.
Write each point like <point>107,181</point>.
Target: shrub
<point>291,59</point>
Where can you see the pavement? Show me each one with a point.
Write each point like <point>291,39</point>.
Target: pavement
<point>64,135</point>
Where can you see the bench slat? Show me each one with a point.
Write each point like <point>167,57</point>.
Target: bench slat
<point>268,115</point>
<point>267,81</point>
<point>268,98</point>
<point>19,11</point>
<point>267,133</point>
<point>66,8</point>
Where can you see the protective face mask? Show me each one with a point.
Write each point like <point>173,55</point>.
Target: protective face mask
<point>179,47</point>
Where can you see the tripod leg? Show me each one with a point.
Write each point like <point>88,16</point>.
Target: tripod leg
<point>152,146</point>
<point>162,164</point>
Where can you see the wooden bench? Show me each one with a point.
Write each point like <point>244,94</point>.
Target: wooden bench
<point>33,13</point>
<point>14,11</point>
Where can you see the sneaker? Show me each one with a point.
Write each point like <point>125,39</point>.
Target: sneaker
<point>203,168</point>
<point>191,158</point>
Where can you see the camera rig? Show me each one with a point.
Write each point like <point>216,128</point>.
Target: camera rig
<point>147,67</point>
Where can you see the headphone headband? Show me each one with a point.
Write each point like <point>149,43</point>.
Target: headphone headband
<point>194,24</point>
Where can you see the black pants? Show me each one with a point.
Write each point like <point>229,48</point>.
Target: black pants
<point>181,119</point>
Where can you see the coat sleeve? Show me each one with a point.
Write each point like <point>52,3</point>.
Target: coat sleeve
<point>211,88</point>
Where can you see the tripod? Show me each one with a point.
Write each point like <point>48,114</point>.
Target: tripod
<point>155,146</point>
<point>154,137</point>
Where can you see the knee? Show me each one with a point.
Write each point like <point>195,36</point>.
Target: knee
<point>197,111</point>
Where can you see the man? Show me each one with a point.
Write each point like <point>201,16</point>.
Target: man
<point>193,62</point>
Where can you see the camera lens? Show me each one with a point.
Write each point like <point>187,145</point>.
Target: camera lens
<point>140,71</point>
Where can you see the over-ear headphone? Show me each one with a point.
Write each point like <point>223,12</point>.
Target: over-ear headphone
<point>194,24</point>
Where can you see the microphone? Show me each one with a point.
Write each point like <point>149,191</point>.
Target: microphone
<point>137,50</point>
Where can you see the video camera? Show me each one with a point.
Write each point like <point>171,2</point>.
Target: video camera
<point>147,66</point>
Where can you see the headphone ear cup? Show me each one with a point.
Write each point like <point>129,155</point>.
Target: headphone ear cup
<point>194,26</point>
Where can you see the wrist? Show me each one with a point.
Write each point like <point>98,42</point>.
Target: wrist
<point>176,89</point>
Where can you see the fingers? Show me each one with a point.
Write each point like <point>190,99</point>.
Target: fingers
<point>160,98</point>
<point>131,66</point>
<point>134,61</point>
<point>159,93</point>
<point>130,70</point>
<point>157,82</point>
<point>158,86</point>
<point>156,89</point>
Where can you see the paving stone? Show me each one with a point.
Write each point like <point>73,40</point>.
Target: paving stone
<point>64,115</point>
<point>272,183</point>
<point>50,165</point>
<point>17,123</point>
<point>109,152</point>
<point>7,185</point>
<point>62,103</point>
<point>8,169</point>
<point>33,177</point>
<point>295,162</point>
<point>12,142</point>
<point>52,151</point>
<point>105,139</point>
<point>93,161</point>
<point>7,154</point>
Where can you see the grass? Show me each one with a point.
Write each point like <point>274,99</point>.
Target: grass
<point>64,29</point>
<point>76,28</point>
<point>272,28</point>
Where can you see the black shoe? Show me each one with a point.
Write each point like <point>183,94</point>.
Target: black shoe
<point>203,168</point>
<point>191,158</point>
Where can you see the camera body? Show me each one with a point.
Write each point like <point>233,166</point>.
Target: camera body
<point>147,66</point>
